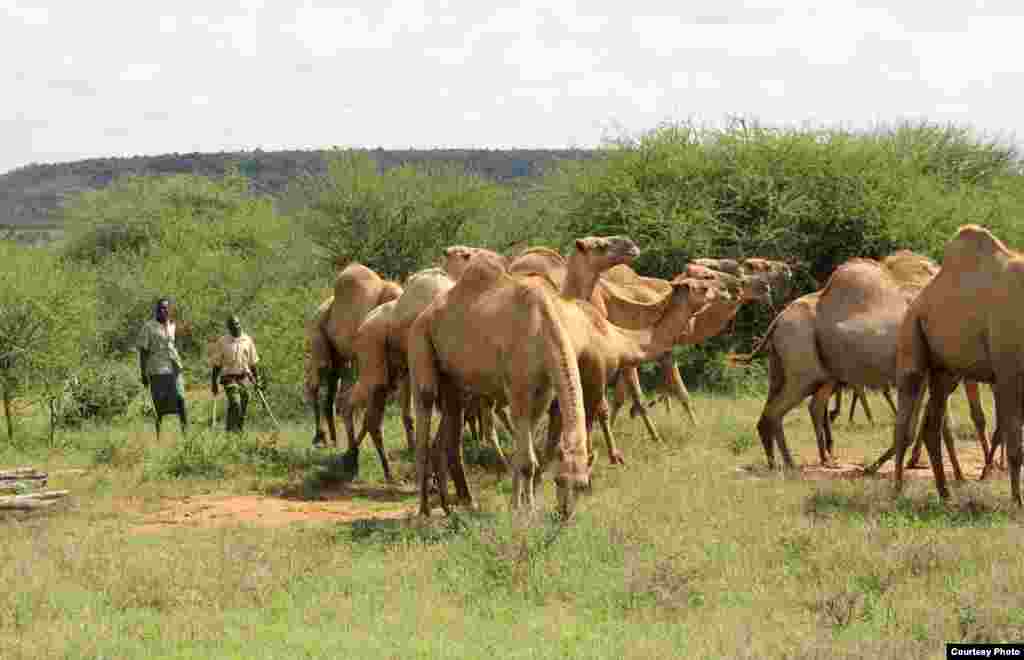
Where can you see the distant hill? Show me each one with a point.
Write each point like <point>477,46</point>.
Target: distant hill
<point>29,195</point>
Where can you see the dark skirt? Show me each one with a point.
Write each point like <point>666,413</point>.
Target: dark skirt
<point>166,389</point>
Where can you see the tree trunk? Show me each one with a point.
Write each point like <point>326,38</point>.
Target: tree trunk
<point>53,419</point>
<point>8,415</point>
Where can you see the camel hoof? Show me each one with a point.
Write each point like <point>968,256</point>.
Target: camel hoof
<point>617,459</point>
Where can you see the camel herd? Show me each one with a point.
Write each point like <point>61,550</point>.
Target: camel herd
<point>542,334</point>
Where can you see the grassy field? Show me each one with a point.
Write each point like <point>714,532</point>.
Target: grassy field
<point>693,549</point>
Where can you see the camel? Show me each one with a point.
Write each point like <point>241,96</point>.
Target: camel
<point>745,288</point>
<point>357,290</point>
<point>380,348</point>
<point>605,349</point>
<point>504,338</point>
<point>602,355</point>
<point>965,324</point>
<point>845,333</point>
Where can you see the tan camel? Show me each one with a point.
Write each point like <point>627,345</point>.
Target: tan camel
<point>581,278</point>
<point>845,333</point>
<point>504,338</point>
<point>754,286</point>
<point>380,347</point>
<point>965,324</point>
<point>606,349</point>
<point>329,333</point>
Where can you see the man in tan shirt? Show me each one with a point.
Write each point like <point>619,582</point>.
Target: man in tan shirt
<point>160,365</point>
<point>233,360</point>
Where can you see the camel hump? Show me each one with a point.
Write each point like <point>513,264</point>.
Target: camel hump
<point>910,268</point>
<point>354,278</point>
<point>485,271</point>
<point>544,252</point>
<point>420,290</point>
<point>621,273</point>
<point>970,244</point>
<point>856,274</point>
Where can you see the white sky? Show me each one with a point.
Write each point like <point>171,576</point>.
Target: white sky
<point>85,80</point>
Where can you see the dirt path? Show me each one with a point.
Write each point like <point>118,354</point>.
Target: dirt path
<point>355,502</point>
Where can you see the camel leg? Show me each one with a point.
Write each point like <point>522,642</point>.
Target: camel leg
<point>1008,428</point>
<point>818,408</point>
<point>405,397</point>
<point>860,394</point>
<point>973,393</point>
<point>769,426</point>
<point>619,398</point>
<point>453,403</point>
<point>601,413</point>
<point>941,385</point>
<point>833,415</point>
<point>675,385</point>
<point>525,464</point>
<point>910,403</point>
<point>490,431</point>
<point>331,383</point>
<point>887,393</point>
<point>950,442</point>
<point>633,383</point>
<point>424,374</point>
<point>373,420</point>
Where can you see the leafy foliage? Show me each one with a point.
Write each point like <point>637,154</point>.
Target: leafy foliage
<point>398,221</point>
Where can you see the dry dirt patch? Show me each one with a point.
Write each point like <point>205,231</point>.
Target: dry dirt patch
<point>970,457</point>
<point>355,502</point>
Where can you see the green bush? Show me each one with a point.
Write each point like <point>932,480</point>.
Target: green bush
<point>99,392</point>
<point>398,221</point>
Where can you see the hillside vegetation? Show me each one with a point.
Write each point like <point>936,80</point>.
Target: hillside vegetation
<point>219,244</point>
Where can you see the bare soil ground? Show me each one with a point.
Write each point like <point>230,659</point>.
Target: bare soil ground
<point>348,504</point>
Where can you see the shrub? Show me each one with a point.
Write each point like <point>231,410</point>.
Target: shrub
<point>100,392</point>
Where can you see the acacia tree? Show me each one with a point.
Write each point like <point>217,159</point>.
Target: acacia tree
<point>47,323</point>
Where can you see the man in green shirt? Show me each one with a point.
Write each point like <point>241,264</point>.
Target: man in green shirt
<point>160,365</point>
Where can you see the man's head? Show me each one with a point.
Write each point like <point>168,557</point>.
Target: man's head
<point>234,326</point>
<point>162,310</point>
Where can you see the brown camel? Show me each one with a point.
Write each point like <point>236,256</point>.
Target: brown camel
<point>747,287</point>
<point>504,338</point>
<point>380,346</point>
<point>965,324</point>
<point>357,290</point>
<point>845,333</point>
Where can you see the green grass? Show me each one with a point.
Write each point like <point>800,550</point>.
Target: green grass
<point>678,554</point>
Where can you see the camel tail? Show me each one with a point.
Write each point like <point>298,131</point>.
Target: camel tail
<point>561,361</point>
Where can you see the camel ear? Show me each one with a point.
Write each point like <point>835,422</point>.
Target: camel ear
<point>581,245</point>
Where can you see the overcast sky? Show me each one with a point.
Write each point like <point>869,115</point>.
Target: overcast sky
<point>86,80</point>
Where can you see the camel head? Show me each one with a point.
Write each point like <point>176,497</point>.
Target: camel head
<point>778,275</point>
<point>730,266</point>
<point>604,252</point>
<point>455,260</point>
<point>692,296</point>
<point>742,289</point>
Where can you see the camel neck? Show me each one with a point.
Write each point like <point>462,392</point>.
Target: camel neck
<point>580,281</point>
<point>712,321</point>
